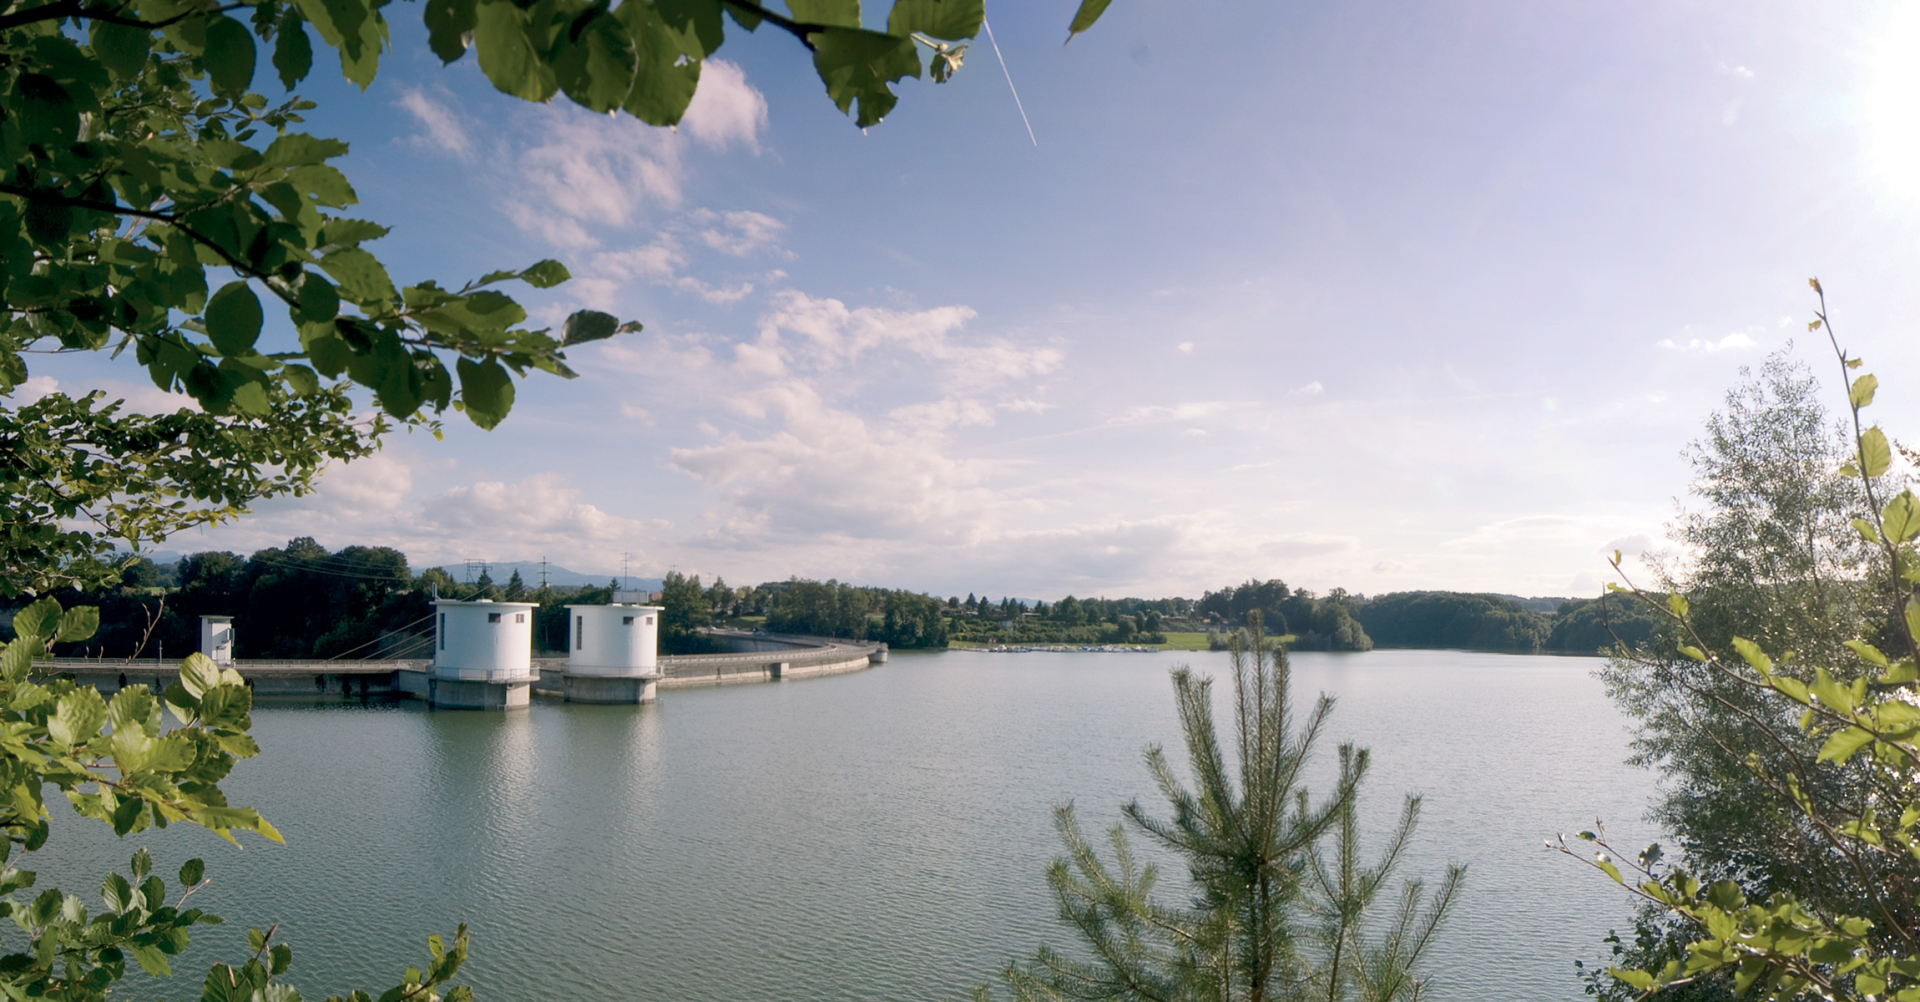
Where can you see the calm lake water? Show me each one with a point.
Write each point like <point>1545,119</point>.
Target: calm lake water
<point>873,836</point>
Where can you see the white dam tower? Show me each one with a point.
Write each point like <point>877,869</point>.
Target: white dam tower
<point>612,653</point>
<point>216,638</point>
<point>482,655</point>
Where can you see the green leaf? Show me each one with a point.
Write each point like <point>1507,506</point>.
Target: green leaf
<point>292,50</point>
<point>199,675</point>
<point>325,184</point>
<point>839,13</point>
<point>1875,454</point>
<point>1860,394</point>
<point>191,871</point>
<point>1089,12</point>
<point>233,319</point>
<point>1865,529</point>
<point>665,75</point>
<point>486,391</point>
<point>1832,693</point>
<point>1900,519</point>
<point>1912,616</point>
<point>1639,980</point>
<point>448,22</point>
<point>150,959</point>
<point>363,279</point>
<point>37,620</point>
<point>594,63</point>
<point>507,53</point>
<point>698,23</point>
<point>142,863</point>
<point>1844,743</point>
<point>77,717</point>
<point>297,149</point>
<point>951,20</point>
<point>350,232</point>
<point>545,274</point>
<point>121,48</point>
<point>317,298</point>
<point>355,28</point>
<point>588,325</point>
<point>1678,604</point>
<point>1867,652</point>
<point>78,623</point>
<point>1751,653</point>
<point>230,55</point>
<point>859,65</point>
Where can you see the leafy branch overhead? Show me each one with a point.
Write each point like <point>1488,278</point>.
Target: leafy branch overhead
<point>153,204</point>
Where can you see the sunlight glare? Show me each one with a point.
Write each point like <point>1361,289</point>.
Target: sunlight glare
<point>1892,105</point>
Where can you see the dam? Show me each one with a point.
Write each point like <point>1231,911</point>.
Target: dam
<point>493,676</point>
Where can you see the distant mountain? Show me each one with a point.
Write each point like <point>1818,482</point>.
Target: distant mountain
<point>556,575</point>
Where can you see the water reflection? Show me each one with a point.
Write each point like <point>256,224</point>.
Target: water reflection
<point>877,836</point>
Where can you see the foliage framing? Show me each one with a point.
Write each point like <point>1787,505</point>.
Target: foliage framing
<point>117,762</point>
<point>135,156</point>
<point>1864,714</point>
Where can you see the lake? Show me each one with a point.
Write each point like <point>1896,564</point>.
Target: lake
<point>872,836</point>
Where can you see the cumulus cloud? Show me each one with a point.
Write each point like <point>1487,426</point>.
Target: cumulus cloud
<point>821,335</point>
<point>829,473</point>
<point>375,500</point>
<point>1312,389</point>
<point>726,110</point>
<point>591,177</point>
<point>33,388</point>
<point>1630,545</point>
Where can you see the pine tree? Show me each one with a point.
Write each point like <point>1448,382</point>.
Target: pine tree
<point>1283,908</point>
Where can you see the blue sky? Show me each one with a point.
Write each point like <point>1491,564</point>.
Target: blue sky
<point>1370,295</point>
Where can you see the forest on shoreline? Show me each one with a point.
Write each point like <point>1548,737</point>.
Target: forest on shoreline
<point>303,601</point>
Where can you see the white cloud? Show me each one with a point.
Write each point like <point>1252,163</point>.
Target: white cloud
<point>33,388</point>
<point>1308,544</point>
<point>445,128</point>
<point>374,501</point>
<point>726,109</point>
<point>1186,346</point>
<point>739,233</point>
<point>822,335</point>
<point>1630,545</point>
<point>593,171</point>
<point>1736,341</point>
<point>1312,389</point>
<point>828,474</point>
<point>1162,413</point>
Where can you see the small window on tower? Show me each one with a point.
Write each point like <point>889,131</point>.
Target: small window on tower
<point>519,617</point>
<point>579,633</point>
<point>493,617</point>
<point>443,631</point>
<point>649,620</point>
<point>626,620</point>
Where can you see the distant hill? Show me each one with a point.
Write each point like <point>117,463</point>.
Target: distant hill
<point>1549,605</point>
<point>556,575</point>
